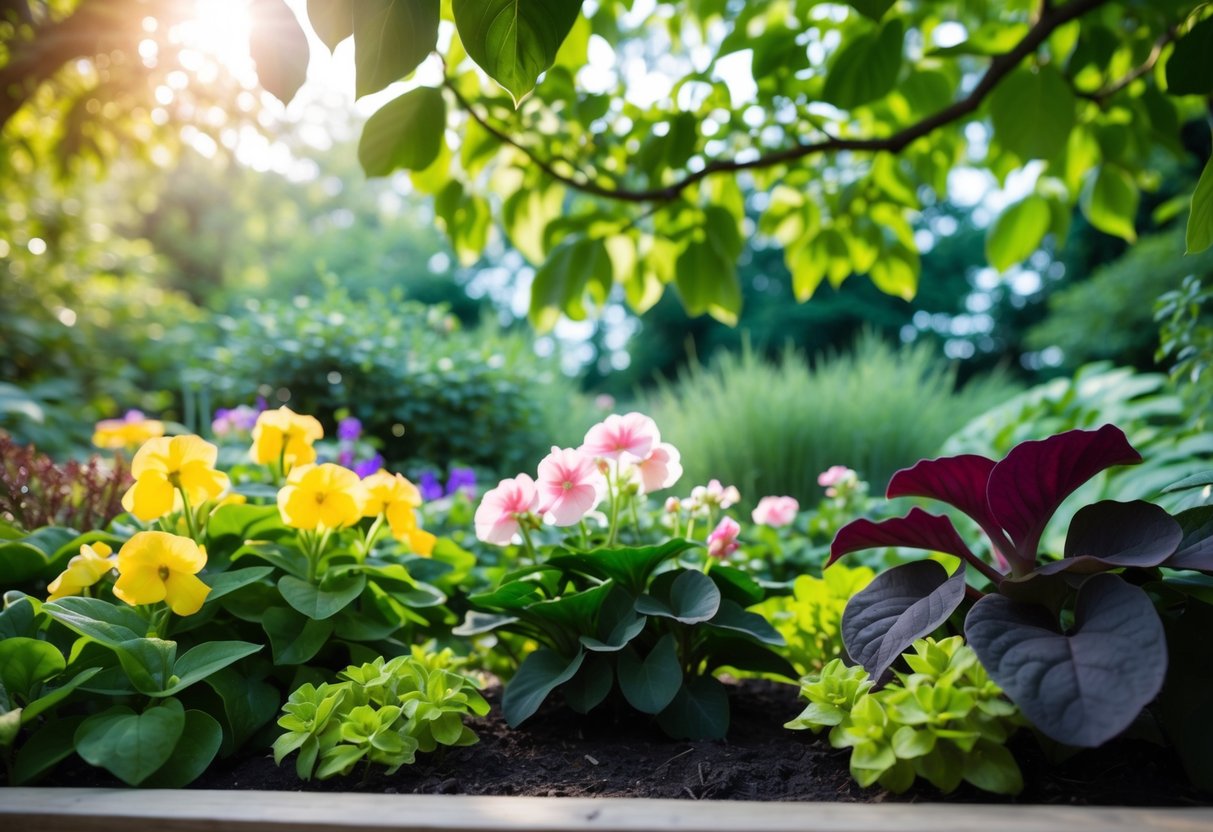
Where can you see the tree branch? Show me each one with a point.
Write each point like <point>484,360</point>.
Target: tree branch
<point>1101,95</point>
<point>1051,18</point>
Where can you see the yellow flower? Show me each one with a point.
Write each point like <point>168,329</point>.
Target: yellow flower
<point>395,497</point>
<point>285,434</point>
<point>157,566</point>
<point>162,466</point>
<point>130,431</point>
<point>321,495</point>
<point>84,570</point>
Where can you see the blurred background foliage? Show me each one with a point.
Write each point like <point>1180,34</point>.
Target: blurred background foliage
<point>227,249</point>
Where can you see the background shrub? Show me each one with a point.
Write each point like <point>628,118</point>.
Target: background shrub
<point>772,427</point>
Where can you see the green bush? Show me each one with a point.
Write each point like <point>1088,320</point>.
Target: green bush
<point>427,390</point>
<point>771,428</point>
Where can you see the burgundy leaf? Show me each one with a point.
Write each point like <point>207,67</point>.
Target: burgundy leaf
<point>1195,551</point>
<point>917,530</point>
<point>1083,687</point>
<point>902,604</point>
<point>1028,485</point>
<point>1111,535</point>
<point>956,480</point>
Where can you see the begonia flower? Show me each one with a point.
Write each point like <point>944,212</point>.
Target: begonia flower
<point>722,542</point>
<point>660,469</point>
<point>569,486</point>
<point>775,511</point>
<point>629,438</point>
<point>502,507</point>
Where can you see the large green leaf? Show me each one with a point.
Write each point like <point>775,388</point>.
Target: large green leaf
<point>333,20</point>
<point>706,277</point>
<point>866,68</point>
<point>700,711</point>
<point>630,568</point>
<point>391,38</point>
<point>25,559</point>
<point>248,704</point>
<point>575,268</point>
<point>52,698</point>
<point>514,40</point>
<point>227,582</point>
<point>1200,220</point>
<point>25,663</point>
<point>650,684</point>
<point>590,686</point>
<point>105,623</point>
<point>131,746</point>
<point>200,741</point>
<point>1017,232</point>
<point>692,598</point>
<point>1111,202</point>
<point>324,601</point>
<point>294,638</point>
<point>733,617</point>
<point>1033,112</point>
<point>148,663</point>
<point>404,133</point>
<point>577,611</point>
<point>205,659</point>
<point>54,742</point>
<point>1188,67</point>
<point>539,674</point>
<point>874,9</point>
<point>279,48</point>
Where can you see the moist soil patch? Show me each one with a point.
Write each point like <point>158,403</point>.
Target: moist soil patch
<point>617,753</point>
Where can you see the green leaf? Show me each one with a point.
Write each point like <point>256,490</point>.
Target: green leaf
<point>1017,232</point>
<point>873,9</point>
<point>105,623</point>
<point>706,277</point>
<point>52,698</point>
<point>526,213</point>
<point>324,601</point>
<point>896,272</point>
<point>404,133</point>
<point>590,686</point>
<point>1188,67</point>
<point>866,68</point>
<point>45,748</point>
<point>630,568</point>
<point>25,663</point>
<point>812,260</point>
<point>333,20</point>
<point>539,674</point>
<point>476,623</point>
<point>17,618</point>
<point>1200,220</point>
<point>226,582</point>
<point>148,663</point>
<point>732,617</point>
<point>199,743</point>
<point>575,268</point>
<point>131,746</point>
<point>248,704</point>
<point>992,768</point>
<point>294,638</point>
<point>205,659</point>
<point>909,742</point>
<point>514,40</point>
<point>576,611</point>
<point>391,38</point>
<point>1110,204</point>
<point>279,48</point>
<point>1033,112</point>
<point>650,684</point>
<point>700,711</point>
<point>693,598</point>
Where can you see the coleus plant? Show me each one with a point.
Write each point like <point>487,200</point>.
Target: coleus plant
<point>1075,642</point>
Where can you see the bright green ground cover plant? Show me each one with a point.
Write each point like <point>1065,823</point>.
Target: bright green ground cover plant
<point>944,721</point>
<point>652,621</point>
<point>383,712</point>
<point>1125,607</point>
<point>206,587</point>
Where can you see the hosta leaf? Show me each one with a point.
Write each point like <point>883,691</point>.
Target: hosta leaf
<point>693,598</point>
<point>649,684</point>
<point>539,674</point>
<point>1085,686</point>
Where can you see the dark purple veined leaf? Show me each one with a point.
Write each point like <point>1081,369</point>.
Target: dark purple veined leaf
<point>959,481</point>
<point>917,530</point>
<point>1111,535</point>
<point>1028,485</point>
<point>902,604</point>
<point>1195,550</point>
<point>1083,687</point>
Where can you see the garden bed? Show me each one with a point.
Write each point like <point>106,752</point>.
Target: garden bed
<point>616,754</point>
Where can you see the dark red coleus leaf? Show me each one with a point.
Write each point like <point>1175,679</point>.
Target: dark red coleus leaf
<point>959,481</point>
<point>1195,551</point>
<point>1111,535</point>
<point>917,530</point>
<point>901,604</point>
<point>1081,687</point>
<point>1027,486</point>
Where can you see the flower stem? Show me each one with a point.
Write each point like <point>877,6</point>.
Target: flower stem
<point>612,488</point>
<point>191,524</point>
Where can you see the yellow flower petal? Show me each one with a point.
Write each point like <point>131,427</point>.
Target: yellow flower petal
<point>185,594</point>
<point>151,497</point>
<point>140,586</point>
<point>340,509</point>
<point>421,542</point>
<point>180,554</point>
<point>152,456</point>
<point>201,482</point>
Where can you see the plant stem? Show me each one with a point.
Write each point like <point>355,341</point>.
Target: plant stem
<point>190,523</point>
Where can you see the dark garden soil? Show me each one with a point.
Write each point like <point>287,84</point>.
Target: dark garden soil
<point>558,753</point>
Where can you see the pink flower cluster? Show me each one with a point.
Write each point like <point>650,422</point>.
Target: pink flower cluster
<point>834,476</point>
<point>775,511</point>
<point>722,542</point>
<point>571,481</point>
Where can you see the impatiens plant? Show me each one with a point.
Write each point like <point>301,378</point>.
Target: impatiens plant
<point>649,620</point>
<point>944,721</point>
<point>1075,641</point>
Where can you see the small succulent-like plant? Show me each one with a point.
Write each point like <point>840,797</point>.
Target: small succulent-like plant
<point>384,712</point>
<point>945,721</point>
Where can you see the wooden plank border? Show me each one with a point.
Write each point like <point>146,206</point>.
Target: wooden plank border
<point>119,810</point>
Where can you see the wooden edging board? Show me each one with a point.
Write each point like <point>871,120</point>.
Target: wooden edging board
<point>119,810</point>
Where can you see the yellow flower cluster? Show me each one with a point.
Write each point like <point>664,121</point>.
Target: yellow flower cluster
<point>167,469</point>
<point>151,566</point>
<point>130,432</point>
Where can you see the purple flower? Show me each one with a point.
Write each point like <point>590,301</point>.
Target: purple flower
<point>237,419</point>
<point>429,486</point>
<point>345,458</point>
<point>463,480</point>
<point>349,429</point>
<point>370,466</point>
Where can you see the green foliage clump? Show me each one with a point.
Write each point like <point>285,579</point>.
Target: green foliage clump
<point>384,712</point>
<point>810,619</point>
<point>771,428</point>
<point>945,721</point>
<point>1186,337</point>
<point>428,390</point>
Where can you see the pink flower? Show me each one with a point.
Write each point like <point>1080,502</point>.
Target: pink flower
<point>673,505</point>
<point>775,511</point>
<point>498,513</point>
<point>833,475</point>
<point>631,437</point>
<point>570,486</point>
<point>660,469</point>
<point>714,494</point>
<point>722,542</point>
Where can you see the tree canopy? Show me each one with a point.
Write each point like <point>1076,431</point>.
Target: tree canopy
<point>640,144</point>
